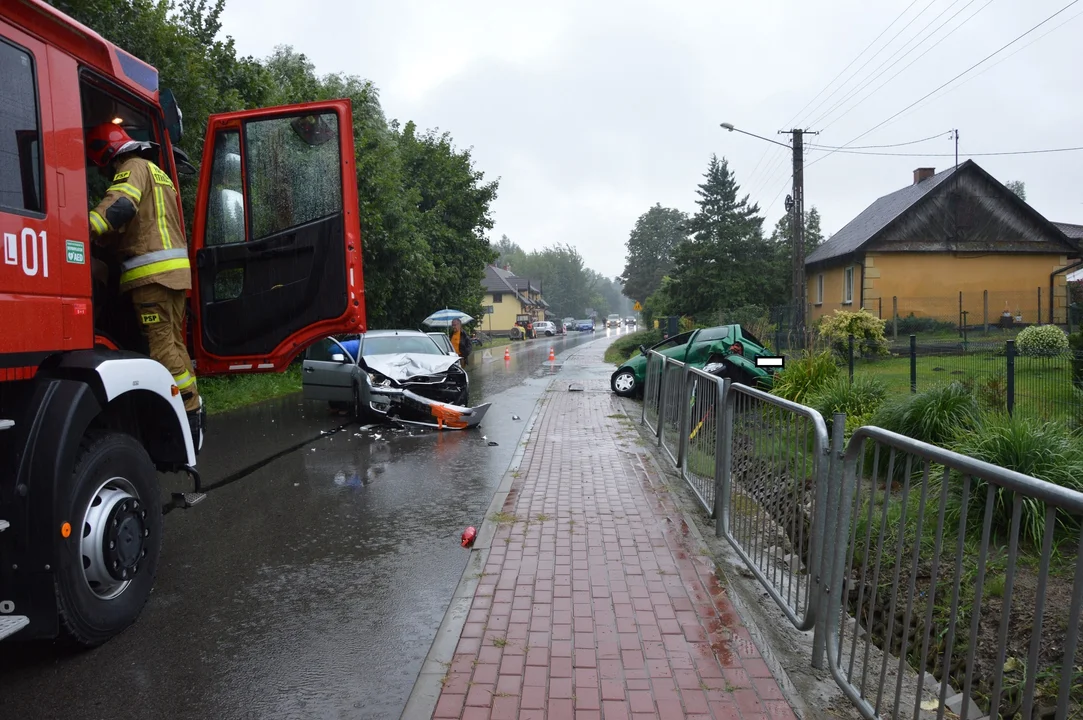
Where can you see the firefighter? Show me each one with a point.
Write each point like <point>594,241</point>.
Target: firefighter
<point>140,218</point>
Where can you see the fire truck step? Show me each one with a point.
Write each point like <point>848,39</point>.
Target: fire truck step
<point>7,424</point>
<point>187,499</point>
<point>11,624</point>
<point>4,525</point>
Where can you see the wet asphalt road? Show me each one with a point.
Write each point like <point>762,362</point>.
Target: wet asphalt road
<point>310,587</point>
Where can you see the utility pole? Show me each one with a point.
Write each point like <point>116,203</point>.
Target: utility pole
<point>796,205</point>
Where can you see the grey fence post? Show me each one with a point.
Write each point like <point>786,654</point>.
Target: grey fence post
<point>661,401</point>
<point>913,363</point>
<point>723,462</point>
<point>684,403</point>
<point>828,545</point>
<point>836,529</point>
<point>895,317</point>
<point>850,355</point>
<point>1010,353</point>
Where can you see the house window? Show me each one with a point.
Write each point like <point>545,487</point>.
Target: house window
<point>820,289</point>
<point>848,285</point>
<point>498,297</point>
<point>20,146</point>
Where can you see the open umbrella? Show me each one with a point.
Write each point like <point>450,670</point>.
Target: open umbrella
<point>443,318</point>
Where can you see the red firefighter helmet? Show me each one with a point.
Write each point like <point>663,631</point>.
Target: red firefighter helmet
<point>108,140</point>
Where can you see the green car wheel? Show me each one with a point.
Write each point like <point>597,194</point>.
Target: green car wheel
<point>624,383</point>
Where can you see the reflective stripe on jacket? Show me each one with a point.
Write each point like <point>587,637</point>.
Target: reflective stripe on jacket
<point>140,211</point>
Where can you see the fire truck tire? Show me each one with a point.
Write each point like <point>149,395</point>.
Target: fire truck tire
<point>108,564</point>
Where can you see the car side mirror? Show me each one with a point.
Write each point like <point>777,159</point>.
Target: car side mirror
<point>643,349</point>
<point>338,357</point>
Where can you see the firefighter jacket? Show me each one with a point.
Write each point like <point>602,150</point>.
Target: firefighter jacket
<point>141,208</point>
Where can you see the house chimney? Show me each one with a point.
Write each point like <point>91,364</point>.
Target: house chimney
<point>923,174</point>
<point>507,267</point>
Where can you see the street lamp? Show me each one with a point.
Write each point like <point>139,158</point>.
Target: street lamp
<point>796,206</point>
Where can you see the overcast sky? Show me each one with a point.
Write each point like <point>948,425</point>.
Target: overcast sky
<point>590,112</point>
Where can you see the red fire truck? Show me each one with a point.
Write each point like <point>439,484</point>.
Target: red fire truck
<point>87,420</point>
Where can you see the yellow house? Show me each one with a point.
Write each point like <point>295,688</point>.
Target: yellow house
<point>509,296</point>
<point>950,242</point>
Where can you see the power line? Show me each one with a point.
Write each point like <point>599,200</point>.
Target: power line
<point>980,62</point>
<point>873,147</point>
<point>985,70</point>
<point>909,64</point>
<point>874,56</point>
<point>986,154</point>
<point>912,3</point>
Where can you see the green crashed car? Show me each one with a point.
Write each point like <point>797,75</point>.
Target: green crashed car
<point>699,348</point>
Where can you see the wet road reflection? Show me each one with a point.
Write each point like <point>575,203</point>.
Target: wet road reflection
<point>313,586</point>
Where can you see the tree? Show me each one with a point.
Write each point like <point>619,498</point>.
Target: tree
<point>650,245</point>
<point>454,205</point>
<point>726,261</point>
<point>778,288</point>
<point>1018,187</point>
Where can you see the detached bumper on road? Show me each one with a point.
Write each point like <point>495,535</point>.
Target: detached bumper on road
<point>409,407</point>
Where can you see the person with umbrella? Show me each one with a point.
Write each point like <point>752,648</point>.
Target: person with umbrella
<point>460,340</point>
<point>453,318</point>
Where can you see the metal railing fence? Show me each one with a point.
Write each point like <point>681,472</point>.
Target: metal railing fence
<point>932,582</point>
<point>672,411</point>
<point>699,466</point>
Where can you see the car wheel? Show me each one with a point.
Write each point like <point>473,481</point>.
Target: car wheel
<point>623,383</point>
<point>108,562</point>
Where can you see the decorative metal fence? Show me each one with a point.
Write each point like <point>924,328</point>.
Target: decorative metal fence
<point>932,582</point>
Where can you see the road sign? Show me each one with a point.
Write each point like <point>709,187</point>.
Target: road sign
<point>637,307</point>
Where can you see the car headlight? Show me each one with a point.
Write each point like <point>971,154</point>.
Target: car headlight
<point>378,380</point>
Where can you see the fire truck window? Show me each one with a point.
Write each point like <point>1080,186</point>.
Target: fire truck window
<point>20,140</point>
<point>291,181</point>
<point>225,206</point>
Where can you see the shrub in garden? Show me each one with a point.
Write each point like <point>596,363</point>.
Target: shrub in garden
<point>1041,341</point>
<point>859,400</point>
<point>990,390</point>
<point>804,376</point>
<point>867,329</point>
<point>935,416</point>
<point>1043,450</point>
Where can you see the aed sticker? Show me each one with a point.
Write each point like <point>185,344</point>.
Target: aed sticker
<point>75,252</point>
<point>771,361</point>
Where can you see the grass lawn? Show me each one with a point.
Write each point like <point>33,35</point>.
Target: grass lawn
<point>229,392</point>
<point>1043,387</point>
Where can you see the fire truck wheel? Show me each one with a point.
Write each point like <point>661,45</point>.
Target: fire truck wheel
<point>108,563</point>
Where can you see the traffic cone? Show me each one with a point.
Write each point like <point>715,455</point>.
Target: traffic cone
<point>552,355</point>
<point>507,353</point>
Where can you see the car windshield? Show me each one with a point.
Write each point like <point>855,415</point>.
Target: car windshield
<point>673,341</point>
<point>392,344</point>
<point>711,334</point>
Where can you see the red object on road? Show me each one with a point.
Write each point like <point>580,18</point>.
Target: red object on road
<point>552,357</point>
<point>469,535</point>
<point>507,353</point>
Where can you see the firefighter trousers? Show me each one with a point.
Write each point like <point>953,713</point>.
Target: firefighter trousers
<point>160,313</point>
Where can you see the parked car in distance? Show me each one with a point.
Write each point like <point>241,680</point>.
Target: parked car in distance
<point>569,322</point>
<point>700,348</point>
<point>544,327</point>
<point>612,321</point>
<point>630,322</point>
<point>584,325</point>
<point>350,373</point>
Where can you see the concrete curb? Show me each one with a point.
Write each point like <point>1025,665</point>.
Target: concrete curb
<point>748,617</point>
<point>427,687</point>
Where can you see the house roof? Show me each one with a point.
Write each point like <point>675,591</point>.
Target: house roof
<point>1074,232</point>
<point>499,280</point>
<point>877,218</point>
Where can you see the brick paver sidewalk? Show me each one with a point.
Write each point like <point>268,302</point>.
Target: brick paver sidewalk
<point>595,602</point>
